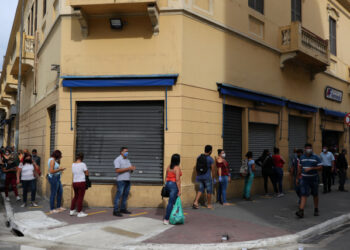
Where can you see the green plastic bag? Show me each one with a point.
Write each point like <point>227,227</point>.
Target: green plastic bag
<point>177,216</point>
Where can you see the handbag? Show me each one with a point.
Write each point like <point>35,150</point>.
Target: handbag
<point>165,192</point>
<point>177,216</point>
<point>244,168</point>
<point>87,182</point>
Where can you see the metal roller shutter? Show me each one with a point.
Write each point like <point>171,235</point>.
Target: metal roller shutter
<point>261,136</point>
<point>297,133</point>
<point>104,127</point>
<point>52,114</point>
<point>233,138</point>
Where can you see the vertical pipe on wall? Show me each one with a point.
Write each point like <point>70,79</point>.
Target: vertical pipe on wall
<point>71,110</point>
<point>166,108</point>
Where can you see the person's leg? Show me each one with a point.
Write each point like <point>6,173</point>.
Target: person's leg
<point>209,187</point>
<point>342,177</point>
<point>265,176</point>
<point>330,177</point>
<point>33,193</point>
<point>249,185</point>
<point>120,190</point>
<point>81,192</point>
<point>75,198</point>
<point>59,192</point>
<point>125,195</point>
<point>172,187</point>
<point>324,179</point>
<point>219,192</point>
<point>280,180</point>
<point>245,187</point>
<point>25,190</point>
<point>302,202</point>
<point>53,189</point>
<point>316,202</point>
<point>7,184</point>
<point>14,184</point>
<point>224,187</point>
<point>199,193</point>
<point>273,181</point>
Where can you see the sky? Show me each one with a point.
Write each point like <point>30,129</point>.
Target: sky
<point>7,13</point>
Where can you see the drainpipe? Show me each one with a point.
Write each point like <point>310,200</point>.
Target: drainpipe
<point>18,101</point>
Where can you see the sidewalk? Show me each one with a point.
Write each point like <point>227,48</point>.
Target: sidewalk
<point>243,221</point>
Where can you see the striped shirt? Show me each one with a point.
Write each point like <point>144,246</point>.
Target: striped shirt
<point>309,162</point>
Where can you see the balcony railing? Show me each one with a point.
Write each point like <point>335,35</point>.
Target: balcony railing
<point>301,45</point>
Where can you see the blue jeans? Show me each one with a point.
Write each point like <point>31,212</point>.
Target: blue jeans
<point>221,195</point>
<point>279,179</point>
<point>206,185</point>
<point>173,191</point>
<point>123,189</point>
<point>56,191</point>
<point>248,185</point>
<point>26,185</point>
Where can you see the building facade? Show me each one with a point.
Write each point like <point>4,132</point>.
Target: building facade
<point>170,76</point>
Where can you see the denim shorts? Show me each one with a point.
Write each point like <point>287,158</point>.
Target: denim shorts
<point>206,185</point>
<point>309,185</point>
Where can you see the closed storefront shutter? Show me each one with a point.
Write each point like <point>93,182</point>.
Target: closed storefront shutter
<point>297,133</point>
<point>52,114</point>
<point>104,127</point>
<point>261,136</point>
<point>233,138</point>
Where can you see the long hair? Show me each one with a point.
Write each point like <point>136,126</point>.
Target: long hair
<point>175,161</point>
<point>56,154</point>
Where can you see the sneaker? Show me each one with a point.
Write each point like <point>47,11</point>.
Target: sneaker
<point>7,198</point>
<point>73,212</point>
<point>165,222</point>
<point>18,198</point>
<point>82,214</point>
<point>316,212</point>
<point>34,204</point>
<point>300,214</point>
<point>118,214</point>
<point>24,205</point>
<point>124,211</point>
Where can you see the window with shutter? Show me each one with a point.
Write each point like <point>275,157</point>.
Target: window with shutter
<point>257,5</point>
<point>296,10</point>
<point>333,36</point>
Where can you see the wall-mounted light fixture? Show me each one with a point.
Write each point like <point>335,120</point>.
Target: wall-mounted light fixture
<point>116,23</point>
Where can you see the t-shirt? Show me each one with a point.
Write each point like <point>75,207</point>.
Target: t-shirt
<point>277,161</point>
<point>78,172</point>
<point>36,159</point>
<point>327,159</point>
<point>250,165</point>
<point>308,162</point>
<point>207,175</point>
<point>120,162</point>
<point>27,173</point>
<point>225,171</point>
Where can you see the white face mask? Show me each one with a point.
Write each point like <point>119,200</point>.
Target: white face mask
<point>308,151</point>
<point>324,150</point>
<point>223,155</point>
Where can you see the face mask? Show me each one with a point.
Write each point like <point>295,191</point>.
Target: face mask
<point>308,151</point>
<point>7,153</point>
<point>324,150</point>
<point>223,155</point>
<point>126,154</point>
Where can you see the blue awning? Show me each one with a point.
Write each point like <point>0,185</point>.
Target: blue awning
<point>119,81</point>
<point>302,107</point>
<point>238,92</point>
<point>334,113</point>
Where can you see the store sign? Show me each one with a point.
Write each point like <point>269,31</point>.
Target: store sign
<point>334,94</point>
<point>347,119</point>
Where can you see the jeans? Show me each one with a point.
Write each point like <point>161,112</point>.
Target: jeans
<point>206,185</point>
<point>342,178</point>
<point>327,178</point>
<point>79,192</point>
<point>221,195</point>
<point>123,189</point>
<point>271,175</point>
<point>26,185</point>
<point>248,185</point>
<point>173,191</point>
<point>56,191</point>
<point>279,179</point>
<point>11,179</point>
<point>297,187</point>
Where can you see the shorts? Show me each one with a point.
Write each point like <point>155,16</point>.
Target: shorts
<point>309,185</point>
<point>206,185</point>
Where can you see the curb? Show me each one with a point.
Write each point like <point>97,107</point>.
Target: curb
<point>8,211</point>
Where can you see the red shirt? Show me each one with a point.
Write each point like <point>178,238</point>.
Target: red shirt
<point>171,176</point>
<point>225,171</point>
<point>278,162</point>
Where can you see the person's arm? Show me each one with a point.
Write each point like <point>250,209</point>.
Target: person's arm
<point>213,169</point>
<point>298,173</point>
<point>86,171</point>
<point>19,170</point>
<point>333,163</point>
<point>253,167</point>
<point>178,180</point>
<point>36,169</point>
<point>52,166</point>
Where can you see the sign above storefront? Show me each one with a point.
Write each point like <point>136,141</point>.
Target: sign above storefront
<point>347,119</point>
<point>334,94</point>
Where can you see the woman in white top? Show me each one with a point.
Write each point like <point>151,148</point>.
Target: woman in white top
<point>26,172</point>
<point>80,172</point>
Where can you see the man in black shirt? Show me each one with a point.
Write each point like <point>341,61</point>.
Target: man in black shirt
<point>342,166</point>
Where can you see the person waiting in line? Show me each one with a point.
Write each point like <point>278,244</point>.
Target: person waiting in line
<point>224,177</point>
<point>248,182</point>
<point>266,164</point>
<point>294,173</point>
<point>80,171</point>
<point>10,163</point>
<point>278,163</point>
<point>54,177</point>
<point>328,166</point>
<point>342,166</point>
<point>308,167</point>
<point>205,171</point>
<point>123,168</point>
<point>173,184</point>
<point>37,161</point>
<point>26,174</point>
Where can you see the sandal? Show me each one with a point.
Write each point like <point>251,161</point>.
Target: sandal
<point>54,211</point>
<point>195,206</point>
<point>61,209</point>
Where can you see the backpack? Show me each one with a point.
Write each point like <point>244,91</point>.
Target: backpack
<point>244,168</point>
<point>202,165</point>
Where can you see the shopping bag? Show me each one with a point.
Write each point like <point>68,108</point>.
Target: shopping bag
<point>177,216</point>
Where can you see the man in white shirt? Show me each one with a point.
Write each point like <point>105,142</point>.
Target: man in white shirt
<point>327,159</point>
<point>123,168</point>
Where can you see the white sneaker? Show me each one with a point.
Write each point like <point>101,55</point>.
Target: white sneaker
<point>18,198</point>
<point>7,198</point>
<point>165,222</point>
<point>73,212</point>
<point>34,204</point>
<point>82,214</point>
<point>24,205</point>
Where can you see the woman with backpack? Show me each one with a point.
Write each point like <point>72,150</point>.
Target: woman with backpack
<point>173,184</point>
<point>266,164</point>
<point>224,177</point>
<point>278,163</point>
<point>249,177</point>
